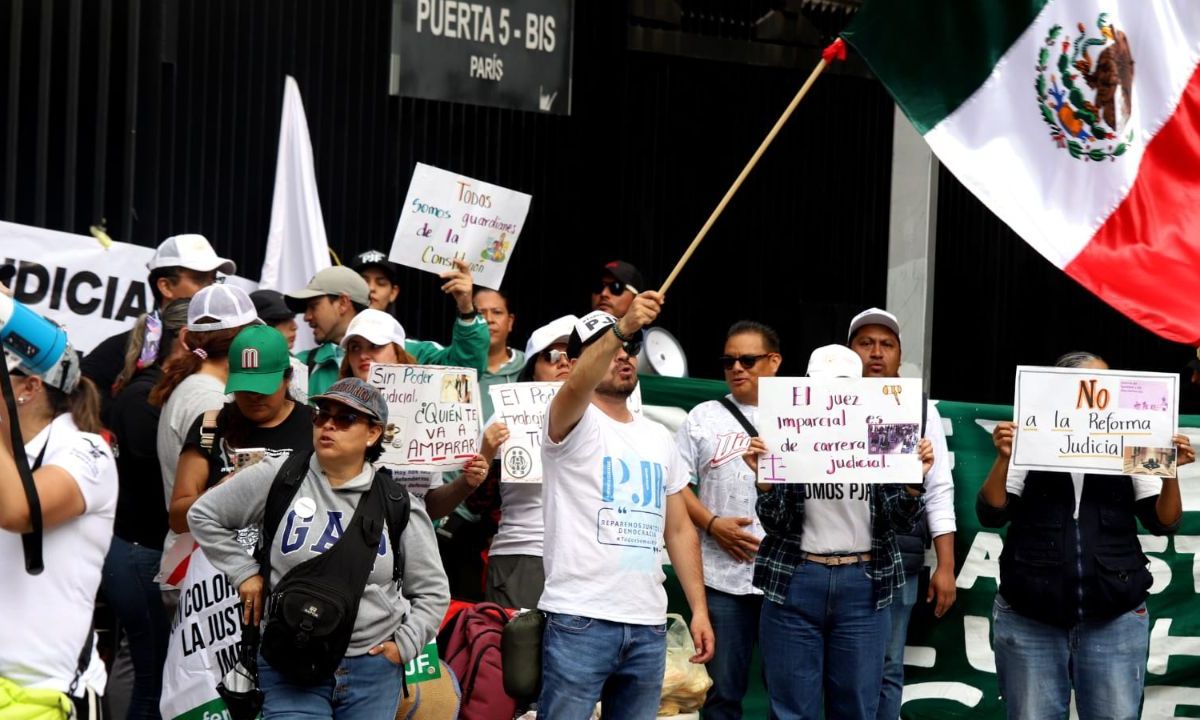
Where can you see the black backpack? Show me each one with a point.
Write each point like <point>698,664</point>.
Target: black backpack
<point>311,612</point>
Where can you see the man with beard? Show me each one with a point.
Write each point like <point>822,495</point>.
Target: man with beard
<point>612,491</point>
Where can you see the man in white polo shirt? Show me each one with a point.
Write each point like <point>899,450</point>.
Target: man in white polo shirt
<point>611,493</point>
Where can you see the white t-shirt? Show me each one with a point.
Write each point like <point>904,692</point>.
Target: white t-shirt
<point>837,518</point>
<point>47,617</point>
<point>521,527</point>
<point>712,442</point>
<point>605,494</point>
<point>194,396</point>
<point>1144,486</point>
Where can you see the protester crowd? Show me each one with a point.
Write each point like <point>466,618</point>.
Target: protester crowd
<point>200,422</point>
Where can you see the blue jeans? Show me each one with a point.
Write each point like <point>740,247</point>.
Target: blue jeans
<point>734,620</point>
<point>585,660</point>
<point>136,600</point>
<point>826,640</point>
<point>1038,664</point>
<point>364,687</point>
<point>892,692</point>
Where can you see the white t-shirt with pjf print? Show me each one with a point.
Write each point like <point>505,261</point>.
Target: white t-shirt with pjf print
<point>604,498</point>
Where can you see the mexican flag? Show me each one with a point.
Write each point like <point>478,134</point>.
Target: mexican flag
<point>1077,122</point>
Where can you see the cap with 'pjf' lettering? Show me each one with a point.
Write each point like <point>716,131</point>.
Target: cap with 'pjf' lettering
<point>258,360</point>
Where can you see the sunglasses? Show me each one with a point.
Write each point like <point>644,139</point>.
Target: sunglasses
<point>341,420</point>
<point>553,356</point>
<point>746,361</point>
<point>616,287</point>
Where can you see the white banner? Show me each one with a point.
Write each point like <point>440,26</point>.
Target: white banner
<point>840,430</point>
<point>522,407</point>
<point>205,633</point>
<point>433,415</point>
<point>92,291</point>
<point>1106,422</point>
<point>447,217</point>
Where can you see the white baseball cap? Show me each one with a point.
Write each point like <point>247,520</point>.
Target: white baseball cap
<point>834,361</point>
<point>873,316</point>
<point>376,327</point>
<point>221,307</point>
<point>191,251</point>
<point>552,332</point>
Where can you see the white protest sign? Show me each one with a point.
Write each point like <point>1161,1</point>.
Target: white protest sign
<point>522,407</point>
<point>433,415</point>
<point>840,430</point>
<point>448,217</point>
<point>92,291</point>
<point>205,633</point>
<point>1106,422</point>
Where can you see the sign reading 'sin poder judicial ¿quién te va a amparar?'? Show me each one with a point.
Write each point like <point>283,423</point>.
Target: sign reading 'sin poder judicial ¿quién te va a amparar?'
<point>1104,422</point>
<point>433,415</point>
<point>840,430</point>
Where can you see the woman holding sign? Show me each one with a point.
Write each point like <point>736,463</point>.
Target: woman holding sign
<point>374,336</point>
<point>1071,610</point>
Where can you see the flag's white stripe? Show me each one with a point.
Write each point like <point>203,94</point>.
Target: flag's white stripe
<point>998,146</point>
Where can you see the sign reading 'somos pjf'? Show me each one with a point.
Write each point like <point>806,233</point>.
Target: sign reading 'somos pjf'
<point>503,53</point>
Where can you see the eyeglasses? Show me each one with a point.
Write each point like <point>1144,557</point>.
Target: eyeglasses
<point>616,287</point>
<point>341,420</point>
<point>553,356</point>
<point>746,361</point>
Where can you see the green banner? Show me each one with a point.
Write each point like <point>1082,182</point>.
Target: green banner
<point>950,669</point>
<point>424,667</point>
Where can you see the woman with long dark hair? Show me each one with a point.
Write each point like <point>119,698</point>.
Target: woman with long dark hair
<point>47,618</point>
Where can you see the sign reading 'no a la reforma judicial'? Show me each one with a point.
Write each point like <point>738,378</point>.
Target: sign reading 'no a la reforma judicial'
<point>503,53</point>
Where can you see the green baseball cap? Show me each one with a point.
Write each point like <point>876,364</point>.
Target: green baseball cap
<point>258,359</point>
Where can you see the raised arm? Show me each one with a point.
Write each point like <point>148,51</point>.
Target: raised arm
<point>572,399</point>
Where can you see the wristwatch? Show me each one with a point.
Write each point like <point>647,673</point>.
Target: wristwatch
<point>469,315</point>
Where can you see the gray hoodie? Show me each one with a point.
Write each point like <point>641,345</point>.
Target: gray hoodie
<point>409,614</point>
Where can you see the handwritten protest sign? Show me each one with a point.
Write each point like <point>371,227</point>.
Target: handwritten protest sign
<point>448,217</point>
<point>433,415</point>
<point>522,407</point>
<point>840,430</point>
<point>1106,422</point>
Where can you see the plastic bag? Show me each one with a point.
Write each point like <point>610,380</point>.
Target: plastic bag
<point>685,684</point>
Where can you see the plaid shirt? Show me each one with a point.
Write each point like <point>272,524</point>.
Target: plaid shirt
<point>781,511</point>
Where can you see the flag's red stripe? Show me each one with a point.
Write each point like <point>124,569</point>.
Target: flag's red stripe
<point>1145,259</point>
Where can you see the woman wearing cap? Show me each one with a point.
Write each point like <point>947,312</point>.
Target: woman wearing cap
<point>262,421</point>
<point>141,524</point>
<point>47,618</point>
<point>194,382</point>
<point>374,336</point>
<point>393,622</point>
<point>515,576</point>
<point>1071,612</point>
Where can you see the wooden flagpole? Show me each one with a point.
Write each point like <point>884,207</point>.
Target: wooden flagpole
<point>835,51</point>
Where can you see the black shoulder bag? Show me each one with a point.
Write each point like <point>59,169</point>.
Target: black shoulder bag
<point>313,609</point>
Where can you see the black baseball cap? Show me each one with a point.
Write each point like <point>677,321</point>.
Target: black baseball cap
<point>626,273</point>
<point>270,306</point>
<point>379,260</point>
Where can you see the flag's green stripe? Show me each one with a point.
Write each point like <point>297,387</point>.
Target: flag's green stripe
<point>933,54</point>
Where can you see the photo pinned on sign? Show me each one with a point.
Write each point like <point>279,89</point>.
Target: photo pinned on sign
<point>893,438</point>
<point>1159,462</point>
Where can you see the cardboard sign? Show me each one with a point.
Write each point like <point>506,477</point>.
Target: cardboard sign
<point>522,407</point>
<point>840,430</point>
<point>433,415</point>
<point>448,217</point>
<point>1106,422</point>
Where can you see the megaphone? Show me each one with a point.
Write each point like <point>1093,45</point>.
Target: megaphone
<point>662,354</point>
<point>33,340</point>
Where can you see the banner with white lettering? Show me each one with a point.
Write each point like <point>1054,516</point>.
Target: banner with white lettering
<point>840,430</point>
<point>205,633</point>
<point>503,53</point>
<point>1106,422</point>
<point>448,217</point>
<point>433,415</point>
<point>522,407</point>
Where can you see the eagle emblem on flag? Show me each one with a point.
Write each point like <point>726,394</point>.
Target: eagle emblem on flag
<point>1086,99</point>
